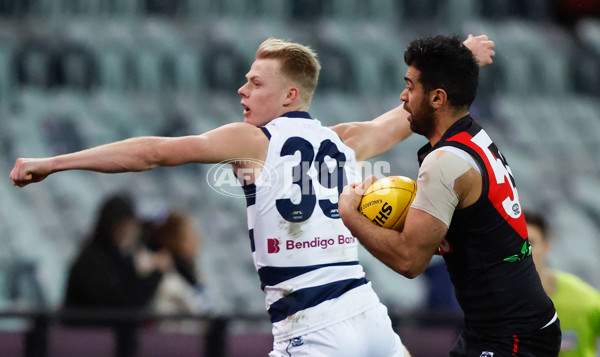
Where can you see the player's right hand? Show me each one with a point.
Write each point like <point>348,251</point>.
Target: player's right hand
<point>350,197</point>
<point>28,171</point>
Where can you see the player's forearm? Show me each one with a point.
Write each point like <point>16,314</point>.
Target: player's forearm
<point>396,123</point>
<point>131,155</point>
<point>387,245</point>
<point>388,130</point>
<point>374,137</point>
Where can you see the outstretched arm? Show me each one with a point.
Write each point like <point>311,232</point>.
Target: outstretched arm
<point>237,140</point>
<point>374,137</point>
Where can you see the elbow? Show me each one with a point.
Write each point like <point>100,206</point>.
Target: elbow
<point>410,268</point>
<point>409,273</point>
<point>145,157</point>
<point>142,161</point>
<point>151,159</point>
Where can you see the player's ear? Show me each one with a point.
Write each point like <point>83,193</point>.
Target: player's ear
<point>438,98</point>
<point>291,95</point>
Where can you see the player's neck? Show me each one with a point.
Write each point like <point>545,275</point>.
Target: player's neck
<point>445,119</point>
<point>295,107</point>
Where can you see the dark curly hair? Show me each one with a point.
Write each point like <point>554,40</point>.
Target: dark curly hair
<point>446,63</point>
<point>114,209</point>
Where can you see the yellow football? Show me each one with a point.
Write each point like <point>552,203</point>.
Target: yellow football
<point>387,200</point>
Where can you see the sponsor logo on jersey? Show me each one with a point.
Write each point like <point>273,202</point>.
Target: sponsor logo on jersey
<point>525,252</point>
<point>296,341</point>
<point>316,242</point>
<point>272,245</point>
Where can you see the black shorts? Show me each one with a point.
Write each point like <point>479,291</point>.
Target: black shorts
<point>545,342</point>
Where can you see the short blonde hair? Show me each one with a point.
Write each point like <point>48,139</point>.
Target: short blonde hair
<point>298,62</point>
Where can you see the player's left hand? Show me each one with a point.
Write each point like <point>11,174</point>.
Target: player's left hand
<point>482,48</point>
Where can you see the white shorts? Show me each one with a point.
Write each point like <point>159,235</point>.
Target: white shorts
<point>364,335</point>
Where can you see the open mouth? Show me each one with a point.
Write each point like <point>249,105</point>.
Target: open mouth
<point>246,109</point>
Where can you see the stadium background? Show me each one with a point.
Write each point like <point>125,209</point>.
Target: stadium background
<point>79,73</point>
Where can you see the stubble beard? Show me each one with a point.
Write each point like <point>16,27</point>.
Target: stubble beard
<point>424,124</point>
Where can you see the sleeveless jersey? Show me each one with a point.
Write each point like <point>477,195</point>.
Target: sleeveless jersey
<point>306,259</point>
<point>486,249</point>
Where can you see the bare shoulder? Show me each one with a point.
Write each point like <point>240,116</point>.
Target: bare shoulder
<point>347,131</point>
<point>238,134</point>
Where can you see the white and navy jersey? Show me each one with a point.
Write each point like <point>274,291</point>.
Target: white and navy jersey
<point>307,260</point>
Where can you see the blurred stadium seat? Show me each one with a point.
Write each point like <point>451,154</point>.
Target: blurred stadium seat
<point>588,30</point>
<point>385,12</point>
<point>34,64</point>
<point>585,72</point>
<point>537,10</point>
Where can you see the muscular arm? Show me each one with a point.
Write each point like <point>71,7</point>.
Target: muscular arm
<point>407,252</point>
<point>374,137</point>
<point>237,140</point>
<point>445,182</point>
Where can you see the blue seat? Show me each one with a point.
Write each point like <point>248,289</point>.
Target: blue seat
<point>458,12</point>
<point>570,220</point>
<point>529,60</point>
<point>588,31</point>
<point>414,11</point>
<point>65,9</point>
<point>76,67</point>
<point>113,43</point>
<point>386,12</point>
<point>585,72</point>
<point>537,10</point>
<point>33,63</point>
<point>224,67</point>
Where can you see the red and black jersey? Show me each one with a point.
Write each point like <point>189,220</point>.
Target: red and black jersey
<point>486,249</point>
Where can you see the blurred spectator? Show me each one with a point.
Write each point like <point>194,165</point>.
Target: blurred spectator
<point>113,272</point>
<point>577,303</point>
<point>180,290</point>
